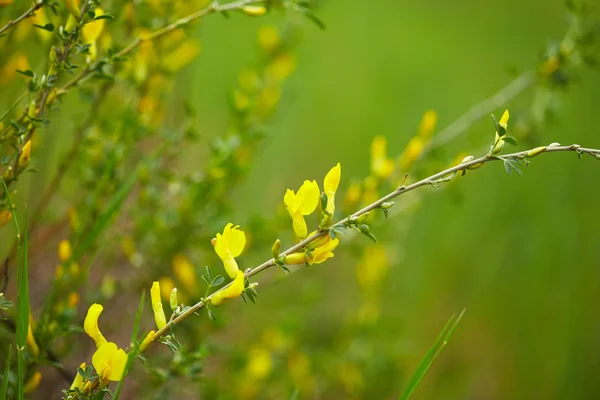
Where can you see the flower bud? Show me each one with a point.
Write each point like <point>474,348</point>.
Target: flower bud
<point>387,205</point>
<point>363,217</point>
<point>65,251</point>
<point>275,249</point>
<point>475,166</point>
<point>364,228</point>
<point>498,145</point>
<point>295,258</point>
<point>536,151</point>
<point>254,11</point>
<point>554,144</point>
<point>51,97</point>
<point>173,299</point>
<point>31,109</point>
<point>146,342</point>
<point>467,159</point>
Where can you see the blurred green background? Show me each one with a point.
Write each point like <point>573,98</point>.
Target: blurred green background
<point>522,254</point>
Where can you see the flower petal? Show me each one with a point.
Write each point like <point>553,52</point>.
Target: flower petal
<point>157,307</point>
<point>237,241</point>
<point>103,356</point>
<point>309,193</point>
<point>90,325</point>
<point>117,365</point>
<point>332,179</point>
<point>299,224</point>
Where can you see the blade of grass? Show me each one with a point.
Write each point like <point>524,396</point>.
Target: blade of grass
<point>431,356</point>
<point>4,389</point>
<point>22,295</point>
<point>134,352</point>
<point>113,207</point>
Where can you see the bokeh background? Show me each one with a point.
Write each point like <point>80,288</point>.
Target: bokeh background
<point>521,254</point>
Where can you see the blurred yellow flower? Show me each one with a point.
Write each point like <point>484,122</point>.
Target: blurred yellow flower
<point>166,287</point>
<point>259,363</point>
<point>373,266</point>
<point>303,203</point>
<point>32,384</point>
<point>230,292</point>
<point>157,307</point>
<point>109,362</point>
<point>381,166</point>
<point>268,38</point>
<point>330,186</point>
<point>412,151</point>
<point>181,56</point>
<point>5,217</point>
<point>229,245</point>
<point>91,32</point>
<point>427,125</point>
<point>282,66</point>
<point>186,273</point>
<point>64,251</point>
<point>25,156</point>
<point>90,325</point>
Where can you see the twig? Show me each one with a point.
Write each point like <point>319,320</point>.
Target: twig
<point>399,191</point>
<point>29,13</point>
<point>478,111</point>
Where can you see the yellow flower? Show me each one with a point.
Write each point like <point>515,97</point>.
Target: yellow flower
<point>322,253</point>
<point>5,217</point>
<point>330,185</point>
<point>228,245</point>
<point>268,37</point>
<point>185,273</point>
<point>25,155</point>
<point>78,381</point>
<point>301,204</point>
<point>157,307</point>
<point>90,325</point>
<point>64,251</point>
<point>411,153</point>
<point>427,125</point>
<point>31,343</point>
<point>32,384</point>
<point>372,267</point>
<point>504,120</point>
<point>166,286</point>
<point>381,166</point>
<point>181,56</point>
<point>254,11</point>
<point>91,32</point>
<point>109,362</point>
<point>282,66</point>
<point>259,363</point>
<point>230,292</point>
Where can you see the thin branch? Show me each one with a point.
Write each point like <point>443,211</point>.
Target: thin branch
<point>16,103</point>
<point>29,13</point>
<point>431,180</point>
<point>483,109</point>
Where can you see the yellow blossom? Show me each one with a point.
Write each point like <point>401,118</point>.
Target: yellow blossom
<point>267,99</point>
<point>181,56</point>
<point>185,273</point>
<point>25,155</point>
<point>254,11</point>
<point>166,286</point>
<point>373,266</point>
<point>73,299</point>
<point>157,307</point>
<point>18,61</point>
<point>427,125</point>
<point>412,151</point>
<point>324,252</point>
<point>353,194</point>
<point>146,342</point>
<point>31,343</point>
<point>78,381</point>
<point>90,325</point>
<point>504,120</point>
<point>64,251</point>
<point>73,7</point>
<point>259,363</point>
<point>5,217</point>
<point>381,166</point>
<point>32,384</point>
<point>229,245</point>
<point>300,204</point>
<point>282,66</point>
<point>109,362</point>
<point>91,32</point>
<point>268,38</point>
<point>330,185</point>
<point>230,292</point>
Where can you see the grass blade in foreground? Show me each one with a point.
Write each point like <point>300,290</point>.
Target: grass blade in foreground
<point>431,355</point>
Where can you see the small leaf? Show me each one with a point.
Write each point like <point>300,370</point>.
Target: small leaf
<point>47,27</point>
<point>507,167</point>
<point>29,73</point>
<point>104,16</point>
<point>511,140</point>
<point>219,279</point>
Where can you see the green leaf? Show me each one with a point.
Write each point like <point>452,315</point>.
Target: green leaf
<point>48,27</point>
<point>507,167</point>
<point>512,164</point>
<point>104,16</point>
<point>511,140</point>
<point>114,205</point>
<point>28,73</point>
<point>431,356</point>
<point>219,279</point>
<point>4,389</point>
